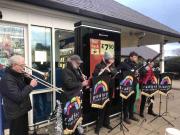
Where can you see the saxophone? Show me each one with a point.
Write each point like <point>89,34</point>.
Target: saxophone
<point>59,122</point>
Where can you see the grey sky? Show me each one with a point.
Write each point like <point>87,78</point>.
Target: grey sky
<point>164,11</point>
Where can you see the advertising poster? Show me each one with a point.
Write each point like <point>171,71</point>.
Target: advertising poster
<point>97,49</point>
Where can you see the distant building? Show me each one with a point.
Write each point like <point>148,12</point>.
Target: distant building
<point>143,51</point>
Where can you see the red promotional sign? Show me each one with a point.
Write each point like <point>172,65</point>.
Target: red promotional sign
<point>97,49</point>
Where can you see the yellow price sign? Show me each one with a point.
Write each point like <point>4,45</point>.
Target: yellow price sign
<point>106,46</point>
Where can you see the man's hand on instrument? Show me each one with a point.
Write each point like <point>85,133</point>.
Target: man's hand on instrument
<point>147,68</point>
<point>136,73</point>
<point>33,83</point>
<point>85,83</point>
<point>108,69</point>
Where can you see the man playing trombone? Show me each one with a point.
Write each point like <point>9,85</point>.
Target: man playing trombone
<point>15,88</point>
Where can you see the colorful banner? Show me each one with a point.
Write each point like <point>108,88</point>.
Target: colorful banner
<point>165,83</point>
<point>100,91</point>
<point>125,87</point>
<point>72,114</point>
<point>151,88</point>
<point>97,49</point>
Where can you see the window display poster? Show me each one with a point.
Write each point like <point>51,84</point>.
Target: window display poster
<point>97,49</point>
<point>11,42</point>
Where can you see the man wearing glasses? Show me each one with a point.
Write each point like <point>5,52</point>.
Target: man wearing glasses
<point>15,88</point>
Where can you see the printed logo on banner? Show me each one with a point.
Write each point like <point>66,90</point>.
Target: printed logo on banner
<point>150,88</point>
<point>165,84</point>
<point>100,92</point>
<point>72,114</point>
<point>126,87</point>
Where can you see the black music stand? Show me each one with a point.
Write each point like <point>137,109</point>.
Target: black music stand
<point>121,124</point>
<point>144,119</point>
<point>160,102</point>
<point>148,91</point>
<point>161,115</point>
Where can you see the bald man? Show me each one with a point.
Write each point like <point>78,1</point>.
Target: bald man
<point>15,89</point>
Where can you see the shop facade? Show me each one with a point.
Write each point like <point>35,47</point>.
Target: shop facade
<point>47,37</point>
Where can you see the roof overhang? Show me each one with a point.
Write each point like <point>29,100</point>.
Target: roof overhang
<point>85,13</point>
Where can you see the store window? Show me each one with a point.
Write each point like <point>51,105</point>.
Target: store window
<point>64,43</point>
<point>42,106</point>
<point>41,46</point>
<point>11,42</point>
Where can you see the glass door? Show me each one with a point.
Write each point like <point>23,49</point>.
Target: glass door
<point>41,54</point>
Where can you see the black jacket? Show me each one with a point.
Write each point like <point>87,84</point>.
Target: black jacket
<point>102,65</point>
<point>130,66</point>
<point>15,92</point>
<point>71,80</point>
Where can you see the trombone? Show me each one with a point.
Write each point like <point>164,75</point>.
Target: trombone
<point>41,81</point>
<point>44,74</point>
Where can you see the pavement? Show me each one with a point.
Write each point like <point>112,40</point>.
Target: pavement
<point>157,127</point>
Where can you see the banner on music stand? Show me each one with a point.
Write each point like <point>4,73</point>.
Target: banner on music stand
<point>72,113</point>
<point>150,88</point>
<point>165,83</point>
<point>100,91</point>
<point>126,84</point>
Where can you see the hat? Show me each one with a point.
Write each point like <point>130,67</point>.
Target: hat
<point>76,58</point>
<point>108,55</point>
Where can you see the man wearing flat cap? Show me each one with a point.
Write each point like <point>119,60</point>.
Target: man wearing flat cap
<point>72,79</point>
<point>106,68</point>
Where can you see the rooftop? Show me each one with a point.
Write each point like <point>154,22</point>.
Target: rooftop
<point>109,11</point>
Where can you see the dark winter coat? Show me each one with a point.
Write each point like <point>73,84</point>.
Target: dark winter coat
<point>102,65</point>
<point>130,66</point>
<point>71,80</point>
<point>15,91</point>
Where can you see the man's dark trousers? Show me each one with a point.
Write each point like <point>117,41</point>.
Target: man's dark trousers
<point>19,126</point>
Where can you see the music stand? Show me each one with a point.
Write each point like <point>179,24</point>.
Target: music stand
<point>120,87</point>
<point>121,124</point>
<point>144,119</point>
<point>163,81</point>
<point>148,90</point>
<point>161,115</point>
